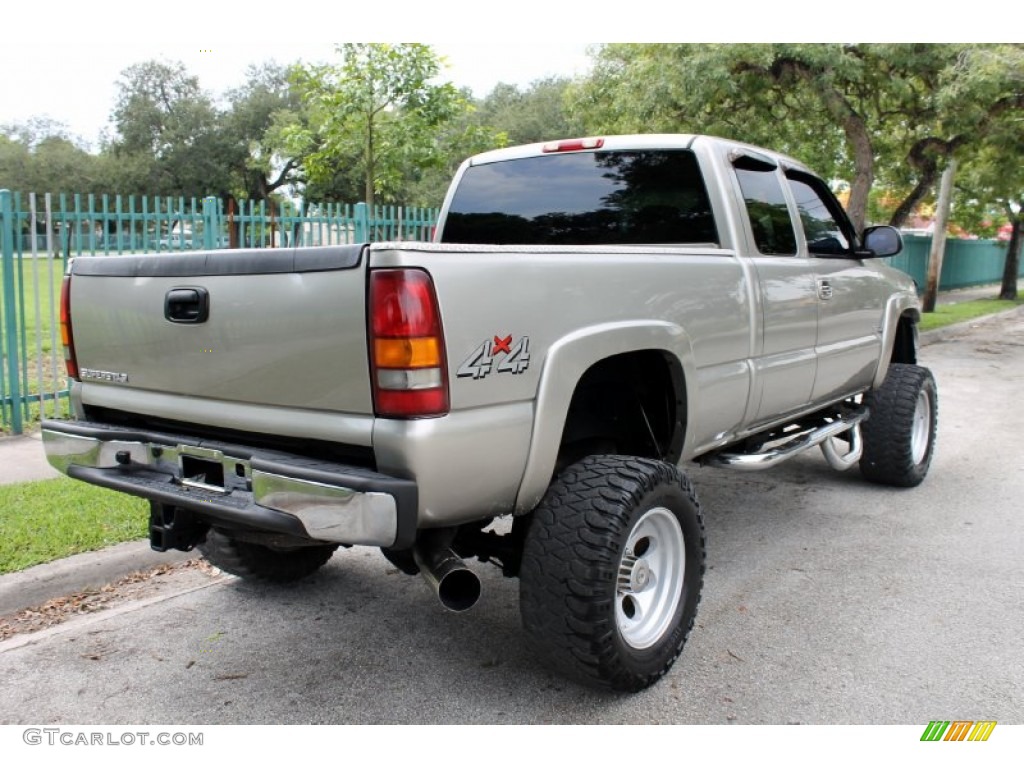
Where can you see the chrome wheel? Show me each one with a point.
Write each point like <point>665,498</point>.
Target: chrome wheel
<point>612,568</point>
<point>921,430</point>
<point>650,579</point>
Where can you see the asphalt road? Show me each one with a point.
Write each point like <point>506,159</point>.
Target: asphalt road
<point>827,601</point>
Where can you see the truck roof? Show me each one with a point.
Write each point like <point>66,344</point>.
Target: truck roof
<point>626,142</point>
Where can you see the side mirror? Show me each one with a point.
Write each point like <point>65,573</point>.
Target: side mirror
<point>880,242</point>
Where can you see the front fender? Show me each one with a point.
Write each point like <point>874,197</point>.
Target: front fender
<point>899,304</point>
<point>564,365</point>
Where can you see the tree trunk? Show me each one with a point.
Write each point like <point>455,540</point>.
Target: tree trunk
<point>938,250</point>
<point>859,138</point>
<point>1011,269</point>
<point>233,225</point>
<point>368,191</point>
<point>917,194</point>
<point>863,176</point>
<point>854,126</point>
<point>923,157</point>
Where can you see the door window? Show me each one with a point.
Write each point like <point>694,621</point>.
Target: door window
<point>825,226</point>
<point>766,207</point>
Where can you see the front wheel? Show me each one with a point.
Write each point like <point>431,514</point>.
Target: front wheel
<point>612,571</point>
<point>899,434</point>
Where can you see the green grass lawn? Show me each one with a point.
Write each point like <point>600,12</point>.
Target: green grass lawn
<point>49,519</point>
<point>41,364</point>
<point>38,282</point>
<point>947,314</point>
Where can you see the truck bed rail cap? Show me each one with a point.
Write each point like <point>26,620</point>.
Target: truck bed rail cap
<point>249,261</point>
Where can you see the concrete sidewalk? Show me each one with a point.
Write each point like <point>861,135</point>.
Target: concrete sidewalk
<point>960,295</point>
<point>22,459</point>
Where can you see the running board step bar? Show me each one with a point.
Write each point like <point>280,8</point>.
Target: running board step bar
<point>786,446</point>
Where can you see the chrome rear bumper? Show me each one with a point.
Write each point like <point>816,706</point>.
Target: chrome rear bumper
<point>240,486</point>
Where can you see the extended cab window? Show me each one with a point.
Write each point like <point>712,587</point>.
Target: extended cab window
<point>766,206</point>
<point>826,227</point>
<point>584,198</point>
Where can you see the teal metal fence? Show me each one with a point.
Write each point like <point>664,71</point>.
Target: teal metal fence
<point>38,233</point>
<point>104,224</point>
<point>965,263</point>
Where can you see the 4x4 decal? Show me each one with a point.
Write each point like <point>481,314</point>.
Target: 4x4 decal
<point>514,358</point>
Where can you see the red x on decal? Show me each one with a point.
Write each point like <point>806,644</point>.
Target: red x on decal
<point>501,345</point>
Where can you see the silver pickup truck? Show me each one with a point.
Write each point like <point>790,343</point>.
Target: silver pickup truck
<point>592,315</point>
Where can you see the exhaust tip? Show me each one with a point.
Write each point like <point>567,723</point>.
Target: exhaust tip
<point>457,587</point>
<point>459,590</point>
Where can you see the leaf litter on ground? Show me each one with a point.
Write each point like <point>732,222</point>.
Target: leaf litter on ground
<point>134,586</point>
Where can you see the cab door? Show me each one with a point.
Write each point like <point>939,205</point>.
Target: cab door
<point>850,295</point>
<point>784,360</point>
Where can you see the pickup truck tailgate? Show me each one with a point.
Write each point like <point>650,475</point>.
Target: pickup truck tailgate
<point>283,327</point>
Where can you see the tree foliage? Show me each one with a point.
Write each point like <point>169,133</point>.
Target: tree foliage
<point>381,125</point>
<point>379,111</point>
<point>167,139</point>
<point>40,156</point>
<point>467,134</point>
<point>537,113</point>
<point>991,190</point>
<point>258,113</point>
<point>856,112</point>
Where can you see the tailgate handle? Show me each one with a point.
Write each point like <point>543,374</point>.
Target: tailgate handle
<point>187,305</point>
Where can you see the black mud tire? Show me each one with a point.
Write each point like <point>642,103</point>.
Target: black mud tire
<point>260,563</point>
<point>899,434</point>
<point>402,559</point>
<point>578,582</point>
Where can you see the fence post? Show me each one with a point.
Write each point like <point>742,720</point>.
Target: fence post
<point>362,222</point>
<point>211,225</point>
<point>9,344</point>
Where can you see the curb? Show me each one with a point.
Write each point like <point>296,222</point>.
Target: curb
<point>88,570</point>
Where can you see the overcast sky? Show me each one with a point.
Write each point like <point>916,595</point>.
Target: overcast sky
<point>62,58</point>
<point>78,87</point>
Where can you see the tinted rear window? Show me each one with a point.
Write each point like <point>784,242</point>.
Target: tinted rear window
<point>599,198</point>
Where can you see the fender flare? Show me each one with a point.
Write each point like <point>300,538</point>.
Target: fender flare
<point>897,306</point>
<point>564,365</point>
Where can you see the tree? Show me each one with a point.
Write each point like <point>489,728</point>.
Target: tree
<point>973,94</point>
<point>1011,269</point>
<point>253,124</point>
<point>992,187</point>
<point>857,112</point>
<point>15,159</point>
<point>40,156</point>
<point>379,110</point>
<point>168,139</point>
<point>536,114</point>
<point>61,165</point>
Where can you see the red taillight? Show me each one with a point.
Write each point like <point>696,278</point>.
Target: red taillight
<point>573,145</point>
<point>66,337</point>
<point>407,363</point>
